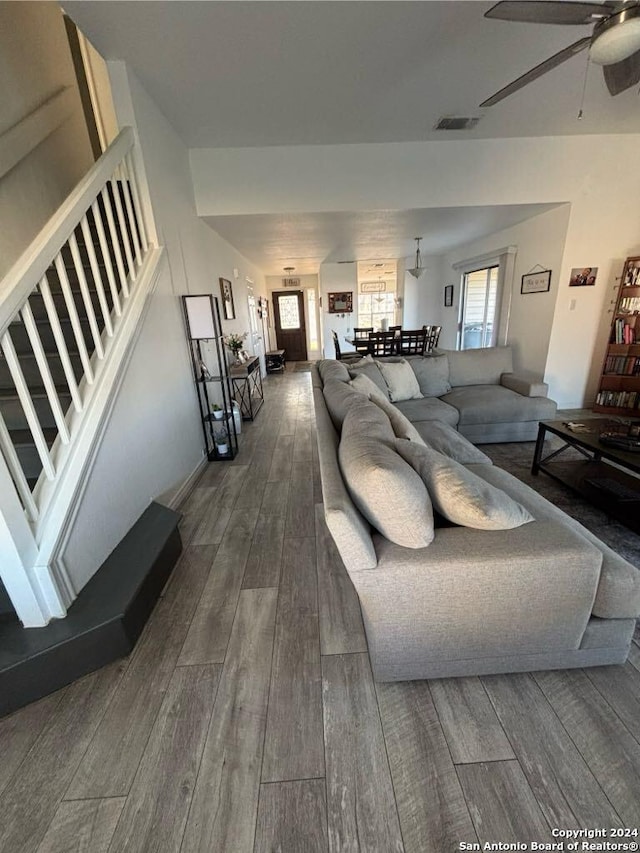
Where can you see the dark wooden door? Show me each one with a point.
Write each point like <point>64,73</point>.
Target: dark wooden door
<point>288,316</point>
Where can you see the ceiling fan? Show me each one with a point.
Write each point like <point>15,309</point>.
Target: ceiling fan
<point>614,42</point>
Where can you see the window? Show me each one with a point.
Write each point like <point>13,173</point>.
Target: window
<point>479,302</point>
<point>289,311</point>
<point>312,324</point>
<point>375,307</point>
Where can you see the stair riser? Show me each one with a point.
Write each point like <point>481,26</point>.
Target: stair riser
<point>32,373</point>
<point>23,346</point>
<point>14,416</point>
<point>29,461</point>
<point>39,312</point>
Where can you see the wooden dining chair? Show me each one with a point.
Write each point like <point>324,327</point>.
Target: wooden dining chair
<point>432,337</point>
<point>412,342</point>
<point>382,343</point>
<point>361,339</point>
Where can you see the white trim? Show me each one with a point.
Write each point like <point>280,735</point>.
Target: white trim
<point>480,261</point>
<point>18,141</point>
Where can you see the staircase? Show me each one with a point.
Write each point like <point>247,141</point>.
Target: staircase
<point>68,313</point>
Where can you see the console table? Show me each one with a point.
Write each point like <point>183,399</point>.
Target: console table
<point>247,387</point>
<point>593,477</point>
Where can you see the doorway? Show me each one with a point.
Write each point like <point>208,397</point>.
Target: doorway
<point>288,316</point>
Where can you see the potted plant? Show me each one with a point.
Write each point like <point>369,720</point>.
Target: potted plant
<point>235,342</point>
<point>218,412</point>
<point>222,441</point>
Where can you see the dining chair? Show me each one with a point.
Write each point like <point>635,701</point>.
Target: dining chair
<point>382,343</point>
<point>343,356</point>
<point>412,342</point>
<point>361,339</point>
<point>432,337</point>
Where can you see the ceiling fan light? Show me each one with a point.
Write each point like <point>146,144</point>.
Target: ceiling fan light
<point>617,43</point>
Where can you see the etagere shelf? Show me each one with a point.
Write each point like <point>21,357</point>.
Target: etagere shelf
<point>619,390</point>
<point>204,328</point>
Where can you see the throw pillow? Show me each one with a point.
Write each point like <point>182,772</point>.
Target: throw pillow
<point>401,425</point>
<point>432,373</point>
<point>368,367</point>
<point>366,386</point>
<point>385,488</point>
<point>445,439</point>
<point>460,495</point>
<point>339,398</point>
<point>401,380</point>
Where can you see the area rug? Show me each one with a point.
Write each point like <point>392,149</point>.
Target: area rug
<point>302,367</point>
<point>517,458</point>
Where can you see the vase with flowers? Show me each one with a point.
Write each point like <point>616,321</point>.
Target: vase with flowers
<point>235,342</point>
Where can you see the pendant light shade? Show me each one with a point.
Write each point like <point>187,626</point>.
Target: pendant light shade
<point>417,271</point>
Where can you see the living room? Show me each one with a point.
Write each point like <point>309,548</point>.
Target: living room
<point>257,519</point>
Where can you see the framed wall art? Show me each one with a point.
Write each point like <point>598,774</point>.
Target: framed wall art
<point>536,282</point>
<point>583,276</point>
<point>340,303</point>
<point>226,292</point>
<point>448,296</point>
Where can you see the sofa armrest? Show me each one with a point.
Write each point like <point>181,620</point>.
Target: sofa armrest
<point>485,592</point>
<point>525,382</point>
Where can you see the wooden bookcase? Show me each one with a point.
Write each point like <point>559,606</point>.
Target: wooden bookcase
<point>619,390</point>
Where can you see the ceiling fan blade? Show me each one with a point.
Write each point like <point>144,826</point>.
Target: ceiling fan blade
<point>538,71</point>
<point>622,75</point>
<point>550,11</point>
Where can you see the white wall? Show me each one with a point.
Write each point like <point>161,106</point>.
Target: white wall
<point>35,63</point>
<point>337,278</point>
<point>539,242</point>
<point>596,174</point>
<point>422,301</point>
<point>153,442</point>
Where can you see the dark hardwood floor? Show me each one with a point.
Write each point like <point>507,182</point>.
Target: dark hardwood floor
<point>247,719</point>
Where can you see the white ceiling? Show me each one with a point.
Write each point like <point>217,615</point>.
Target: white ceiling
<point>243,74</point>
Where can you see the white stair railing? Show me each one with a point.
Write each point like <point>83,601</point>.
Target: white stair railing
<point>98,299</point>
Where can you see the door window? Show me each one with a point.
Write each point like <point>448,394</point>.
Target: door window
<point>289,311</point>
<point>478,321</point>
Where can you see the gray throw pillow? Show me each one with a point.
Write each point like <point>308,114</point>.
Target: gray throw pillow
<point>432,373</point>
<point>461,496</point>
<point>401,380</point>
<point>368,367</point>
<point>400,423</point>
<point>339,397</point>
<point>365,386</point>
<point>446,439</point>
<point>385,488</point>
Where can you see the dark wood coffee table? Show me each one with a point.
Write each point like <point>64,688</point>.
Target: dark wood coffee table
<point>607,486</point>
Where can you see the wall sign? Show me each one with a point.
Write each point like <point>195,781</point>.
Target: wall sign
<point>536,282</point>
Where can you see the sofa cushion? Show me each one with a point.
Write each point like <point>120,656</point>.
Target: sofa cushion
<point>432,373</point>
<point>460,495</point>
<point>332,370</point>
<point>385,488</point>
<point>447,440</point>
<point>401,425</point>
<point>401,381</point>
<point>368,367</point>
<point>492,404</point>
<point>479,366</point>
<point>428,409</point>
<point>366,386</point>
<point>618,593</point>
<point>339,397</point>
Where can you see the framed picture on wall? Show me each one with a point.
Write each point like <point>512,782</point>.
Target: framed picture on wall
<point>536,282</point>
<point>340,303</point>
<point>448,296</point>
<point>228,308</point>
<point>583,276</point>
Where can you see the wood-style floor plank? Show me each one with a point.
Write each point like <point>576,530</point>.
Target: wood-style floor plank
<point>251,493</point>
<point>361,807</point>
<point>470,725</point>
<point>292,816</point>
<point>30,800</point>
<point>263,562</point>
<point>208,636</point>
<point>634,656</point>
<point>302,442</point>
<point>111,762</point>
<point>212,525</point>
<point>214,474</point>
<point>501,803</point>
<point>20,730</point>
<point>563,785</point>
<point>294,747</point>
<point>300,515</point>
<point>225,801</point>
<point>620,687</point>
<point>193,509</point>
<point>281,459</point>
<point>433,812</point>
<point>275,499</point>
<point>341,628</point>
<point>83,826</point>
<point>156,810</point>
<point>611,752</point>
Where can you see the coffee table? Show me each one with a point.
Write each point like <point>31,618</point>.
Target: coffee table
<point>601,476</point>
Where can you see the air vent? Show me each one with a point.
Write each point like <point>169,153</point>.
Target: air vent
<point>457,123</point>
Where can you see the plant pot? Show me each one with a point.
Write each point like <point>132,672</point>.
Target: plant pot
<point>222,449</point>
<point>218,415</point>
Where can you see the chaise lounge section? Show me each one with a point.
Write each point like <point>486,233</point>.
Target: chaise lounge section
<point>460,568</point>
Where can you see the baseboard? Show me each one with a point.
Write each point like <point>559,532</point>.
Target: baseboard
<point>183,492</point>
<point>103,623</point>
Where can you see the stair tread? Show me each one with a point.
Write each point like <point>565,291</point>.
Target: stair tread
<point>35,391</point>
<point>24,437</point>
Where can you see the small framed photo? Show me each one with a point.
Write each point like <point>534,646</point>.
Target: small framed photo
<point>536,282</point>
<point>448,296</point>
<point>583,276</point>
<point>340,303</point>
<point>228,308</point>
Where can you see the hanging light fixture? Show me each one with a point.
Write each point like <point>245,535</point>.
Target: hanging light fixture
<point>417,271</point>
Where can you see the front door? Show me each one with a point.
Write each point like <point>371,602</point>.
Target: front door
<point>288,315</point>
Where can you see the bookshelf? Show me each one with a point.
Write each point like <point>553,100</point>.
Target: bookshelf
<point>619,390</point>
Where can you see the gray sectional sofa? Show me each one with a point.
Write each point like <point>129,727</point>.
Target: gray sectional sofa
<point>459,567</point>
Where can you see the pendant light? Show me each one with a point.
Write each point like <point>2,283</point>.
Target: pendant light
<point>417,271</point>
